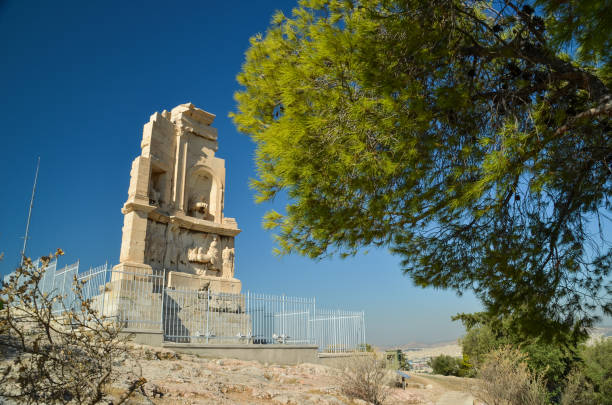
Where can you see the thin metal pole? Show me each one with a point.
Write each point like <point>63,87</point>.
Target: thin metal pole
<point>25,238</point>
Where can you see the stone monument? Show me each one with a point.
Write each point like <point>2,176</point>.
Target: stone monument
<point>173,217</point>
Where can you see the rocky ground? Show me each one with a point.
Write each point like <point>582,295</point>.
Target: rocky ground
<point>186,379</point>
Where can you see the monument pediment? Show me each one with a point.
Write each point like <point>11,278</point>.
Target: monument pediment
<point>199,130</point>
<point>190,110</point>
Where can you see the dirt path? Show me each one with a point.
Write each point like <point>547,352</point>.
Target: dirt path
<point>455,398</point>
<point>447,390</point>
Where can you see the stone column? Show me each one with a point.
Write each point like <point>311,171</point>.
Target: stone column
<point>135,212</point>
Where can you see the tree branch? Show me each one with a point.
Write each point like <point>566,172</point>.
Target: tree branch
<point>604,107</point>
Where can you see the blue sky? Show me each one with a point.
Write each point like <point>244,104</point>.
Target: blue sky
<point>78,80</point>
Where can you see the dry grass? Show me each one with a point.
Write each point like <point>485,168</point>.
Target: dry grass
<point>506,380</point>
<point>578,390</point>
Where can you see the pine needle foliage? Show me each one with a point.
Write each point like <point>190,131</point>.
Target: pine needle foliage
<point>472,138</point>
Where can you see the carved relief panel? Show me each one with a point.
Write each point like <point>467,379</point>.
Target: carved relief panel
<point>177,249</point>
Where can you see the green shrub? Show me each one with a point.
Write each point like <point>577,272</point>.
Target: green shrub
<point>591,382</point>
<point>478,342</point>
<point>445,365</point>
<point>552,362</point>
<point>466,368</point>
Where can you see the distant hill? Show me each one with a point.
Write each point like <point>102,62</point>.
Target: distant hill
<point>419,352</point>
<point>452,347</point>
<point>605,330</point>
<point>419,345</point>
<point>600,332</point>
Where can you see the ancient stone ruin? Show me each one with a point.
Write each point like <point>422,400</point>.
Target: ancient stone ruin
<point>173,217</point>
<point>175,283</point>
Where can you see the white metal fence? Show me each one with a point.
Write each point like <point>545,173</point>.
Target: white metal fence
<point>141,302</point>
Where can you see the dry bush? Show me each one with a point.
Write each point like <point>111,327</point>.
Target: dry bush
<point>578,390</point>
<point>69,357</point>
<point>506,380</point>
<point>366,378</point>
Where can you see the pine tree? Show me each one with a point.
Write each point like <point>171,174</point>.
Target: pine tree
<point>472,138</point>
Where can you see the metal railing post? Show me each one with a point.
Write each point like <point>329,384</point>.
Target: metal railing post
<point>104,288</point>
<point>88,285</point>
<point>248,328</point>
<point>334,329</point>
<point>163,299</point>
<point>363,329</point>
<point>283,333</point>
<point>314,321</point>
<point>207,314</point>
<point>63,287</point>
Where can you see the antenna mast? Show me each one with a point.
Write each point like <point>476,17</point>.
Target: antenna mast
<point>25,238</point>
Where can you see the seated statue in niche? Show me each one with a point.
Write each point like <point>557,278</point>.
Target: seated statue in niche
<point>200,208</point>
<point>210,258</point>
<point>154,198</point>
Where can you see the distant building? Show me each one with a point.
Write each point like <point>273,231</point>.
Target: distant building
<point>395,360</point>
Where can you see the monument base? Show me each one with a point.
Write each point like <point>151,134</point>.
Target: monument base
<point>185,281</point>
<point>133,296</point>
<point>130,271</point>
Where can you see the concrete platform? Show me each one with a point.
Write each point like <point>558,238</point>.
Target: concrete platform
<point>273,354</point>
